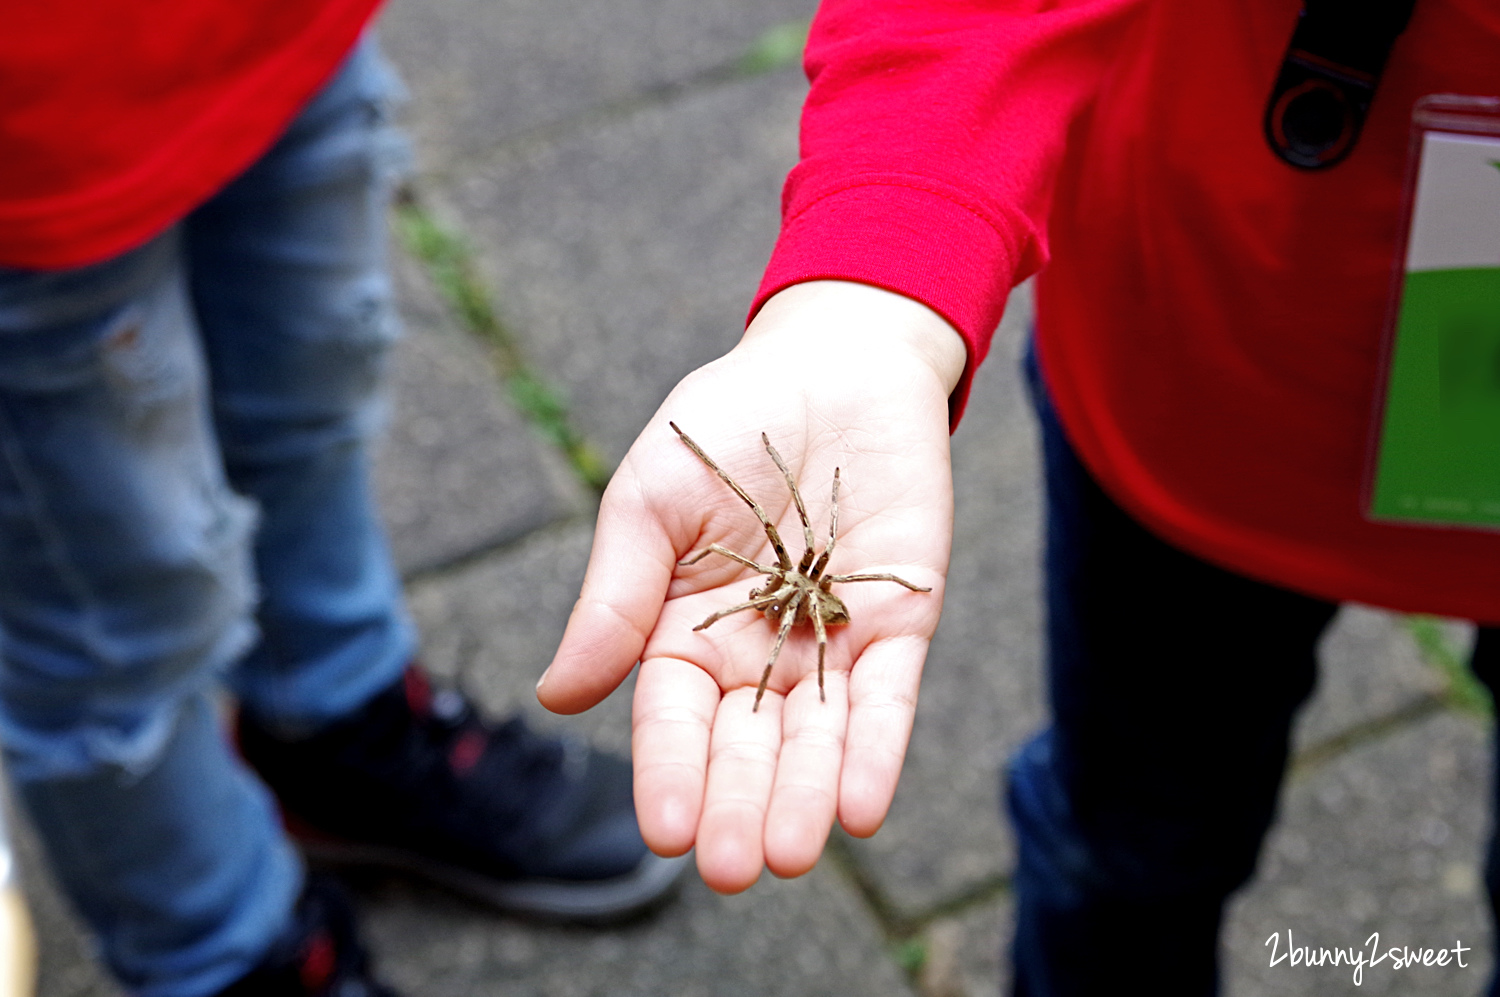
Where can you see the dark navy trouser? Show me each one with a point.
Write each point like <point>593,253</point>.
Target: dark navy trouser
<point>1173,685</point>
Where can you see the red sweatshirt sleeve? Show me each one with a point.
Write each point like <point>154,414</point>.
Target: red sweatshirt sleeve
<point>930,139</point>
<point>118,117</point>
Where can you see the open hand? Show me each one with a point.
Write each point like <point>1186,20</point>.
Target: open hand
<point>836,375</point>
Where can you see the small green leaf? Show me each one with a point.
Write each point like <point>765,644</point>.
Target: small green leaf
<point>777,48</point>
<point>449,262</point>
<point>910,955</point>
<point>1463,691</point>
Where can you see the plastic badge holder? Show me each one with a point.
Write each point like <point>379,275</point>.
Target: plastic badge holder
<point>1437,453</point>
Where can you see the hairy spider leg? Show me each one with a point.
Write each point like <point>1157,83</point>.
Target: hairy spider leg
<point>781,555</point>
<point>719,549</point>
<point>833,530</point>
<point>809,551</point>
<point>822,632</point>
<point>760,602</point>
<point>877,576</point>
<point>788,617</point>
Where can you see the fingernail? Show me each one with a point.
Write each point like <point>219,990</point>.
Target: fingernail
<point>542,679</point>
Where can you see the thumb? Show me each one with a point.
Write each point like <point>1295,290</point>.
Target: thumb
<point>624,588</point>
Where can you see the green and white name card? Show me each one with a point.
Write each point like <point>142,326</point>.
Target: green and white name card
<point>1438,459</point>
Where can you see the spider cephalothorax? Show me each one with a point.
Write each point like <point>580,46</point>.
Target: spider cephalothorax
<point>793,593</point>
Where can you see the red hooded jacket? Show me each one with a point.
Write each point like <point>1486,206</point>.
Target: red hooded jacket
<point>1209,319</point>
<point>118,117</point>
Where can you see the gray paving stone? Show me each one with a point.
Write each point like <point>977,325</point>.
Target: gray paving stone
<point>981,693</point>
<point>458,469</point>
<point>626,256</point>
<point>1385,838</point>
<point>968,953</point>
<point>483,70</point>
<point>492,626</point>
<point>1369,668</point>
<point>779,939</point>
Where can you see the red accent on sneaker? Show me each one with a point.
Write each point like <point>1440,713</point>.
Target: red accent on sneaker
<point>418,691</point>
<point>466,751</point>
<point>318,963</point>
<point>305,833</point>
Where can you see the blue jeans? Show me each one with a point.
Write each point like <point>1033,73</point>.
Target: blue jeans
<point>1173,686</point>
<point>184,502</point>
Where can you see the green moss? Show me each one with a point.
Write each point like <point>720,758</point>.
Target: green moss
<point>910,955</point>
<point>1463,691</point>
<point>775,49</point>
<point>449,262</point>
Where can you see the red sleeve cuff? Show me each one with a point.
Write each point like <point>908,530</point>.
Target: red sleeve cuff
<point>910,235</point>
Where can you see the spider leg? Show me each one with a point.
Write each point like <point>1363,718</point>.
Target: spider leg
<point>822,632</point>
<point>788,617</point>
<point>760,602</point>
<point>833,530</point>
<point>775,538</point>
<point>716,549</point>
<point>791,483</point>
<point>877,576</point>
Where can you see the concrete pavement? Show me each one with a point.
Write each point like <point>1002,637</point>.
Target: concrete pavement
<point>616,176</point>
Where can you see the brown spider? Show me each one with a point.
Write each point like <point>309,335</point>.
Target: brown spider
<point>793,593</point>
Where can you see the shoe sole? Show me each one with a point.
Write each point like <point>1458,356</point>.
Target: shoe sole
<point>596,901</point>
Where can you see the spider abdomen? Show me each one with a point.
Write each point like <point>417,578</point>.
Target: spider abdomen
<point>835,614</point>
<point>829,606</point>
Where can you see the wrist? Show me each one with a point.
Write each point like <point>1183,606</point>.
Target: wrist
<point>860,320</point>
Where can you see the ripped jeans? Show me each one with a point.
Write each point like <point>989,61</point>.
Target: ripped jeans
<point>184,502</point>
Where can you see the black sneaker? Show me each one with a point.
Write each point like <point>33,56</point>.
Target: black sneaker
<point>417,781</point>
<point>319,954</point>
